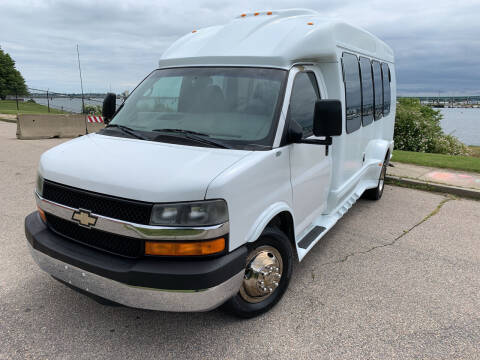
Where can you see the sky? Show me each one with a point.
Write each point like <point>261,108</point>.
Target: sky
<point>436,42</point>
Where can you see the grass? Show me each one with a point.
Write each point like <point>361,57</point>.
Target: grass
<point>465,163</point>
<point>10,107</point>
<point>475,151</point>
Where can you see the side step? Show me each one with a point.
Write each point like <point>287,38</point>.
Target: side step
<point>322,224</point>
<point>312,235</point>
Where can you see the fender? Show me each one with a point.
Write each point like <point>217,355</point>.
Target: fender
<point>265,217</point>
<point>377,149</point>
<point>374,155</point>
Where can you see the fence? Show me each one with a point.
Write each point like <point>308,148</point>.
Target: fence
<point>72,103</point>
<point>63,102</point>
<point>63,115</point>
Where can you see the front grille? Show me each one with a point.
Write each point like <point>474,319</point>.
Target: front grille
<point>122,209</point>
<point>112,243</point>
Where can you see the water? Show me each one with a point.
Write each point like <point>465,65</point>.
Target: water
<point>464,123</point>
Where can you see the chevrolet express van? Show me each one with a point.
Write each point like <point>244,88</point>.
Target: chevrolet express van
<point>224,166</point>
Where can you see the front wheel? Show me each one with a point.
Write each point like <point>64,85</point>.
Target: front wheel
<point>268,271</point>
<point>376,193</point>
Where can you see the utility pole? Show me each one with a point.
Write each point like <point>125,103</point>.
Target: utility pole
<point>81,81</point>
<point>16,97</point>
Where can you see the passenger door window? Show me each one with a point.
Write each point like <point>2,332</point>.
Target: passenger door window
<point>302,101</point>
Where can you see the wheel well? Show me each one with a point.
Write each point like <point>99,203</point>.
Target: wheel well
<point>387,156</point>
<point>284,221</point>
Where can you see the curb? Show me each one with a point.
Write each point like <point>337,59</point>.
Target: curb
<point>9,121</point>
<point>424,185</point>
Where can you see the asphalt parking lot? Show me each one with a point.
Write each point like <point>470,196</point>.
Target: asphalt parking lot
<point>394,279</point>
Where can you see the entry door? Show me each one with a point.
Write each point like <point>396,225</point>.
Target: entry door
<point>309,164</point>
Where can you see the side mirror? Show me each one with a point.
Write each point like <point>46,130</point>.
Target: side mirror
<point>109,106</point>
<point>295,132</point>
<point>327,118</point>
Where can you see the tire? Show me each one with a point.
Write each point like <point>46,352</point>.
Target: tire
<point>376,193</point>
<point>271,244</point>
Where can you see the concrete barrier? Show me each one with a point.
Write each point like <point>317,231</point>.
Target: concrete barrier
<point>94,127</point>
<point>47,126</point>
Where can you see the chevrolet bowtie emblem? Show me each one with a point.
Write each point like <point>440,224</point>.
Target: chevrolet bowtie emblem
<point>84,218</point>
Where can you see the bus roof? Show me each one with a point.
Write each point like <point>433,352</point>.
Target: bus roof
<point>277,38</point>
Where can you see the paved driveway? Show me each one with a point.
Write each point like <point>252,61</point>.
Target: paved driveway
<point>395,279</point>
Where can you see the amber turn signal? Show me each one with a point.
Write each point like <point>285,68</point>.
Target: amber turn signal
<point>184,248</point>
<point>42,214</point>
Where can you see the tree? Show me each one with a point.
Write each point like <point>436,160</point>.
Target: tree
<point>11,81</point>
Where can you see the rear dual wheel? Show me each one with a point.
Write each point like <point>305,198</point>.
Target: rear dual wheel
<point>268,271</point>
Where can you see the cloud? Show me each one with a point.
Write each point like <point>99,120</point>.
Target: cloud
<point>436,43</point>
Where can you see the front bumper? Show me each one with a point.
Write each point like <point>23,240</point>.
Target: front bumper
<point>147,283</point>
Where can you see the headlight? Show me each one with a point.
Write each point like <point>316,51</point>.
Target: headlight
<point>199,213</point>
<point>39,187</point>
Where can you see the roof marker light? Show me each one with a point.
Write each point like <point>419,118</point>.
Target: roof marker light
<point>256,14</point>
<point>310,23</point>
<point>243,15</point>
<point>194,31</point>
<point>269,13</point>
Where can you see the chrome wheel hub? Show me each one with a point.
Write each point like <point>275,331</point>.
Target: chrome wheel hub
<point>262,274</point>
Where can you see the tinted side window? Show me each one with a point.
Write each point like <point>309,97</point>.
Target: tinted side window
<point>377,86</point>
<point>386,89</point>
<point>367,91</point>
<point>353,95</point>
<point>302,101</point>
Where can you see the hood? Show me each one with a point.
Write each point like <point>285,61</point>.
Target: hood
<point>136,169</point>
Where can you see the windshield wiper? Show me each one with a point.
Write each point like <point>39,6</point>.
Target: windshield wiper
<point>195,136</point>
<point>181,131</point>
<point>127,130</point>
<point>258,146</point>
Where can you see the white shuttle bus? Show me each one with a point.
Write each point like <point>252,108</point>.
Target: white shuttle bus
<point>224,166</point>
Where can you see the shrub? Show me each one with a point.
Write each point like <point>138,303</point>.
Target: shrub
<point>93,109</point>
<point>417,128</point>
<point>448,144</point>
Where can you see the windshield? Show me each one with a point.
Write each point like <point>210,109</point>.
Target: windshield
<point>237,106</point>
